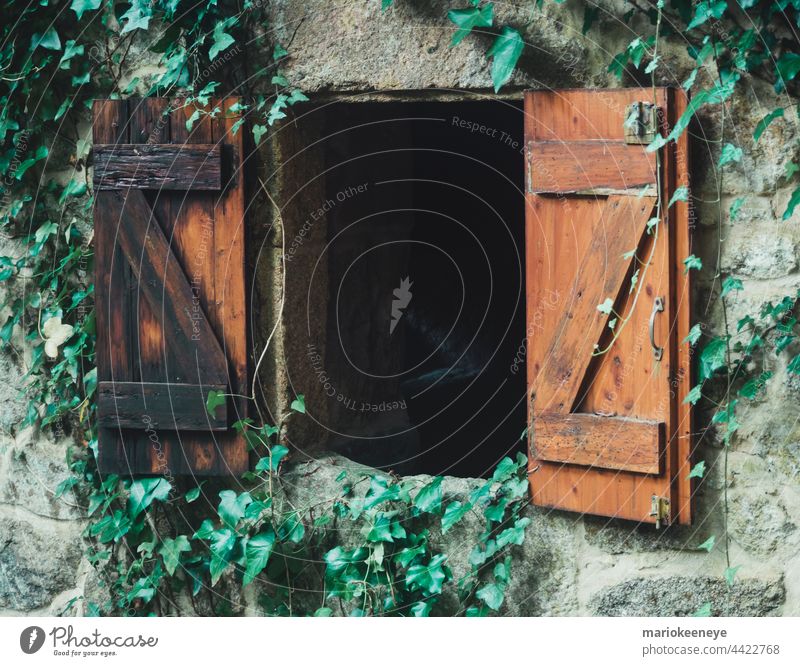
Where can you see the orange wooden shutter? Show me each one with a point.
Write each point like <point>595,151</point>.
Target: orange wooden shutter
<point>609,433</point>
<point>170,290</point>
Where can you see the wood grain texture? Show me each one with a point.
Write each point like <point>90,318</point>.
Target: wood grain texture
<point>625,381</point>
<point>151,406</point>
<point>184,226</point>
<point>157,166</point>
<point>630,445</point>
<point>600,276</point>
<point>583,166</point>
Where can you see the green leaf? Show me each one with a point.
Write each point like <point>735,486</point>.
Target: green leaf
<point>430,577</point>
<point>765,122</point>
<point>692,262</point>
<point>232,506</point>
<point>787,68</point>
<point>753,386</point>
<point>258,132</point>
<point>257,553</point>
<point>469,18</point>
<point>698,471</point>
<point>429,499</point>
<point>694,335</point>
<point>703,611</point>
<point>505,50</point>
<point>736,206</point>
<point>730,153</point>
<point>730,284</point>
<point>81,6</point>
<point>221,39</point>
<point>492,594</point>
<point>794,365</point>
<point>271,462</point>
<point>707,10</point>
<point>793,201</point>
<point>143,492</point>
<point>730,574</point>
<point>193,494</point>
<point>47,40</point>
<point>221,547</point>
<point>693,396</point>
<point>66,485</point>
<point>606,306</point>
<point>215,399</point>
<point>191,120</point>
<point>708,544</point>
<point>712,358</point>
<point>513,535</point>
<point>299,404</point>
<point>171,550</point>
<point>137,17</point>
<point>454,512</point>
<point>681,194</point>
<point>279,52</point>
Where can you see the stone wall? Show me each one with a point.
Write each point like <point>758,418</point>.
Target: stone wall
<point>569,565</point>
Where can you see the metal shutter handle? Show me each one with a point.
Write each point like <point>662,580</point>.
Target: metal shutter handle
<point>658,306</point>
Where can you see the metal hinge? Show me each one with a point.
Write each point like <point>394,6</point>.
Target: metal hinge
<point>659,509</point>
<point>641,123</point>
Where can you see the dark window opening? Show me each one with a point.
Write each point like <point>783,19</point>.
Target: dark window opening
<point>425,356</point>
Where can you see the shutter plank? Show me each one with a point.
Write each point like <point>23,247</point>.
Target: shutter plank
<point>583,167</point>
<point>600,276</point>
<point>156,406</point>
<point>166,287</point>
<point>157,166</point>
<point>631,445</point>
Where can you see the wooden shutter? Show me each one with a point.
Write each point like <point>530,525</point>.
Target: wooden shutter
<point>609,433</point>
<point>170,289</point>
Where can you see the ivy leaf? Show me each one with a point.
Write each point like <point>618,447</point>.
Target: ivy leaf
<point>698,471</point>
<point>429,499</point>
<point>787,68</point>
<point>215,399</point>
<point>694,335</point>
<point>469,18</point>
<point>454,512</point>
<point>693,396</point>
<point>81,6</point>
<point>712,358</point>
<point>515,534</point>
<point>221,39</point>
<point>715,95</point>
<point>492,594</point>
<point>794,365</point>
<point>765,122</point>
<point>47,40</point>
<point>143,492</point>
<point>232,506</point>
<point>506,51</point>
<point>171,550</point>
<point>730,284</point>
<point>271,462</point>
<point>730,574</point>
<point>707,10</point>
<point>430,577</point>
<point>606,306</point>
<point>299,404</point>
<point>708,544</point>
<point>703,611</point>
<point>137,17</point>
<point>257,553</point>
<point>793,201</point>
<point>692,262</point>
<point>193,494</point>
<point>730,153</point>
<point>753,386</point>
<point>681,194</point>
<point>258,132</point>
<point>221,547</point>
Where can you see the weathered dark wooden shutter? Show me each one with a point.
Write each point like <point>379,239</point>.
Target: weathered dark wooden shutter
<point>609,433</point>
<point>170,287</point>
